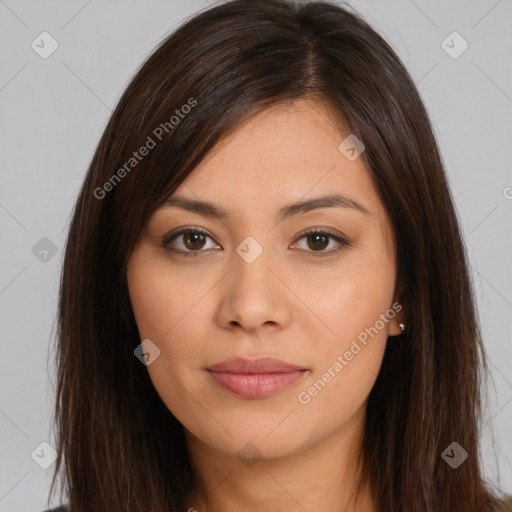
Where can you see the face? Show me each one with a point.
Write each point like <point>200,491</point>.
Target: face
<point>254,283</point>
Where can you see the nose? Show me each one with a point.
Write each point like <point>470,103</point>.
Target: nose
<point>254,297</point>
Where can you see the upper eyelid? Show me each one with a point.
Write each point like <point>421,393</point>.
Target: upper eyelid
<point>180,231</point>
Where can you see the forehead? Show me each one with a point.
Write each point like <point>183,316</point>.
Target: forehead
<point>284,154</point>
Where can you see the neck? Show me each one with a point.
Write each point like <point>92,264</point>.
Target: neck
<point>321,477</point>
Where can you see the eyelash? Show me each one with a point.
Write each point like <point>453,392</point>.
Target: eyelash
<point>311,232</point>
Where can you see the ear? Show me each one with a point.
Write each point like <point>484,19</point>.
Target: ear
<point>394,324</point>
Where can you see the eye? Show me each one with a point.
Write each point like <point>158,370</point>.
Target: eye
<point>318,240</point>
<point>192,241</point>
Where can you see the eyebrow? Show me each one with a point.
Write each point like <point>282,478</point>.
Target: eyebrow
<point>211,210</point>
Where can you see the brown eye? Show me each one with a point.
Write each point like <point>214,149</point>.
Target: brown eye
<point>193,240</point>
<point>317,241</point>
<point>188,241</point>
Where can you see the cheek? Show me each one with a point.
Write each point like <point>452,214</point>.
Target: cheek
<point>348,359</point>
<point>351,299</point>
<point>168,319</point>
<point>170,308</point>
<point>158,308</point>
<point>356,308</point>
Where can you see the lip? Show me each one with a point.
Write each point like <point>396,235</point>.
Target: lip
<point>261,365</point>
<point>256,378</point>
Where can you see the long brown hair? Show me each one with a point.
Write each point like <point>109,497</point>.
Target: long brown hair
<point>119,447</point>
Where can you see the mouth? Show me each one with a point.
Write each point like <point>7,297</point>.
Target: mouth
<point>255,378</point>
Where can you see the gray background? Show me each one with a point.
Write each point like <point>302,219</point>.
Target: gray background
<point>53,112</point>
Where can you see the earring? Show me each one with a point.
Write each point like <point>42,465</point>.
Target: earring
<point>402,326</point>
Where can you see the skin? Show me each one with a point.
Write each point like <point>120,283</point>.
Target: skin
<point>288,303</point>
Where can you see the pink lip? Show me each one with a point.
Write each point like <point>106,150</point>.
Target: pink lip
<point>262,365</point>
<point>255,378</point>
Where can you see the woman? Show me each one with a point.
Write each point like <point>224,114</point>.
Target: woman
<point>265,301</point>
